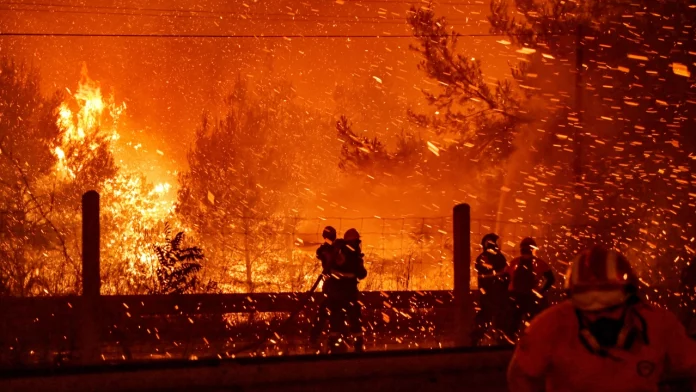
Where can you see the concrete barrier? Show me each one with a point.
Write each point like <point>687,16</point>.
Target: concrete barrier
<point>435,370</point>
<point>481,370</point>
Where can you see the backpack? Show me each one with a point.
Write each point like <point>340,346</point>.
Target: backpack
<point>524,278</point>
<point>330,256</point>
<point>339,258</point>
<point>349,258</point>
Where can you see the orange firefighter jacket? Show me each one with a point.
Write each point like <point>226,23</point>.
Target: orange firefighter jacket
<point>552,357</point>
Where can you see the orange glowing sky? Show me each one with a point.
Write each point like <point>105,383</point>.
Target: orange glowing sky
<point>167,83</point>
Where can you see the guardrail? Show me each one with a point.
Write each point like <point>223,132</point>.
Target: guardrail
<point>51,330</point>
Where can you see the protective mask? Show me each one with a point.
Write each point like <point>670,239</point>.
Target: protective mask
<point>606,331</point>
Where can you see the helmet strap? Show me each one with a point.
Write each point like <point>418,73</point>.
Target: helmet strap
<point>627,335</point>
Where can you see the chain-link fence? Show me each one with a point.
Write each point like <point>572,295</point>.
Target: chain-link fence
<point>408,253</point>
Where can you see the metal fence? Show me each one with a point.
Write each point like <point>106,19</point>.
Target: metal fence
<point>404,253</point>
<point>407,253</point>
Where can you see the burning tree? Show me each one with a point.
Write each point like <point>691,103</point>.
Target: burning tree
<point>130,205</point>
<point>28,132</point>
<point>52,151</point>
<point>133,216</point>
<point>48,166</point>
<point>247,174</point>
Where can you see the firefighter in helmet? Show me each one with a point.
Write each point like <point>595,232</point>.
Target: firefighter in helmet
<point>326,253</point>
<point>687,288</point>
<point>604,338</point>
<point>490,265</point>
<point>346,270</point>
<point>530,280</point>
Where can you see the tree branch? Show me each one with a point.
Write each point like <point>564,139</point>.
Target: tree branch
<point>25,180</point>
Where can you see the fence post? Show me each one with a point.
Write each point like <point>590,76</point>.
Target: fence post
<point>91,280</point>
<point>578,200</point>
<point>461,234</point>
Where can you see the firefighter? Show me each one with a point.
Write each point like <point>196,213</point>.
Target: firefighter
<point>687,289</point>
<point>604,338</point>
<point>530,279</point>
<point>326,253</point>
<point>490,266</point>
<point>345,272</point>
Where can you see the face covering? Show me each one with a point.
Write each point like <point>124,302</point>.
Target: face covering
<point>606,331</point>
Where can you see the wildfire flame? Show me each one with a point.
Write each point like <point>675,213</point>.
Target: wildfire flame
<point>127,197</point>
<point>134,209</point>
<point>83,114</point>
<point>90,110</point>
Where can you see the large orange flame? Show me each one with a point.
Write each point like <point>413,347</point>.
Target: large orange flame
<point>126,197</point>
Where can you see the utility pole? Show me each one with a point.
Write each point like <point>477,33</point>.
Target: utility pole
<point>578,201</point>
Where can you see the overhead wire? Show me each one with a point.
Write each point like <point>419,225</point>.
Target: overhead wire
<point>217,14</point>
<point>197,11</point>
<point>239,16</point>
<point>346,20</point>
<point>254,36</point>
<point>138,11</point>
<point>251,17</point>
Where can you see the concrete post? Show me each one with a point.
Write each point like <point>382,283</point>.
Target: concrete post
<point>91,280</point>
<point>464,309</point>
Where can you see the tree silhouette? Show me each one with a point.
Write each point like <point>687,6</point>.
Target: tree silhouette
<point>178,266</point>
<point>248,173</point>
<point>28,131</point>
<point>466,105</point>
<point>358,152</point>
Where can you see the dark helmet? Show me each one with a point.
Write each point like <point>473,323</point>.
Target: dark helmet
<point>490,237</point>
<point>329,233</point>
<point>527,245</point>
<point>351,235</point>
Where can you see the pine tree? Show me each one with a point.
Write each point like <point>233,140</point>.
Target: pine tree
<point>465,99</point>
<point>359,153</point>
<point>248,173</point>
